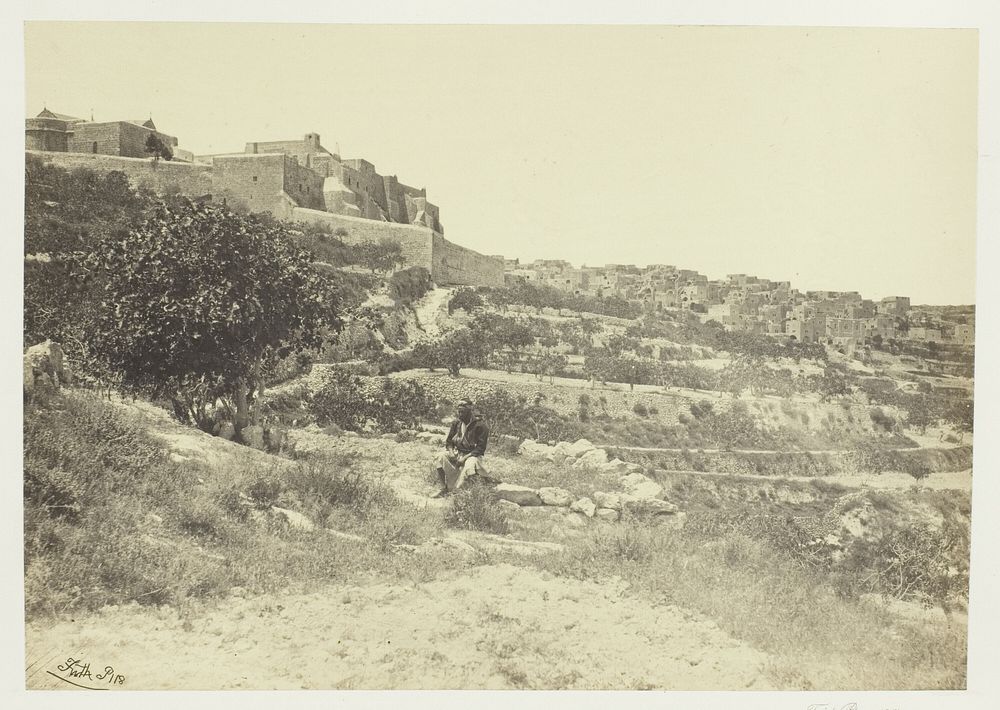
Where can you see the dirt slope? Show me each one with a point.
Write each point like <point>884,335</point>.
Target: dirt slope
<point>492,627</point>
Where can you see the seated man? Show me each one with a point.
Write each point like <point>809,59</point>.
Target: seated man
<point>465,447</point>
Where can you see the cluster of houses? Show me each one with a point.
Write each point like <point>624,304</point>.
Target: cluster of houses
<point>746,303</point>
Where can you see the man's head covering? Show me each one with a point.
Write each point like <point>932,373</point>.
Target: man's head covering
<point>465,404</point>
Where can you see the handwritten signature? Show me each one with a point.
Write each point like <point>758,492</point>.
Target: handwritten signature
<point>76,671</point>
<point>832,706</point>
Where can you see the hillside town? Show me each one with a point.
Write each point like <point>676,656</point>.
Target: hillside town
<point>743,302</point>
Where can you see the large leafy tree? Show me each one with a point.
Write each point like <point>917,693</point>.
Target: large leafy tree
<point>198,302</point>
<point>66,213</point>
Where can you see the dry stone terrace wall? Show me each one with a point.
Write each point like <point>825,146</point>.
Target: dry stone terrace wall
<point>190,178</point>
<point>618,404</point>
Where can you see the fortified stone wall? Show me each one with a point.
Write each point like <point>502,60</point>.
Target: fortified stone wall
<point>275,183</point>
<point>95,138</point>
<point>46,134</point>
<point>114,138</point>
<point>457,265</point>
<point>395,199</point>
<point>189,178</point>
<point>253,182</point>
<point>303,185</point>
<point>416,242</point>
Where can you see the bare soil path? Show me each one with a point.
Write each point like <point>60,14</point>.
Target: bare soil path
<point>490,627</point>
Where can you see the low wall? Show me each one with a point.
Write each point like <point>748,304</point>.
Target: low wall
<point>188,178</point>
<point>798,463</point>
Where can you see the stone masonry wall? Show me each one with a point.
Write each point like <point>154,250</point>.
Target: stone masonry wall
<point>416,242</point>
<point>114,138</point>
<point>190,178</point>
<point>254,182</point>
<point>454,264</point>
<point>303,185</point>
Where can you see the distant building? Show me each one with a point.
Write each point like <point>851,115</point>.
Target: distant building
<point>57,132</point>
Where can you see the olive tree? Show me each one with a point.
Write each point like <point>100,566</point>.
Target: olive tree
<point>198,301</point>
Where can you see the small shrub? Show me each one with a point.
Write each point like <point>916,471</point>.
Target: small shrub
<point>264,491</point>
<point>630,541</point>
<point>640,409</point>
<point>476,508</point>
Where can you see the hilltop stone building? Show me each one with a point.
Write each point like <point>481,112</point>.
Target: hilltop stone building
<point>296,180</point>
<point>57,132</point>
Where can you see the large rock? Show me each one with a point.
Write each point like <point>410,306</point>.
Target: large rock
<point>530,447</point>
<point>517,494</point>
<point>579,447</point>
<point>253,436</point>
<point>44,369</point>
<point>640,486</point>
<point>294,518</point>
<point>555,496</point>
<point>584,506</point>
<point>507,505</point>
<point>607,514</point>
<point>608,500</point>
<point>616,466</point>
<point>430,437</point>
<point>649,506</point>
<point>595,458</point>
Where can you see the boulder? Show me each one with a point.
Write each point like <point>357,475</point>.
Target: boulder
<point>607,514</point>
<point>555,496</point>
<point>44,369</point>
<point>517,494</point>
<point>530,447</point>
<point>616,466</point>
<point>579,447</point>
<point>585,506</point>
<point>595,458</point>
<point>227,431</point>
<point>429,437</point>
<point>293,518</point>
<point>507,505</point>
<point>649,506</point>
<point>640,486</point>
<point>562,448</point>
<point>253,436</point>
<point>608,500</point>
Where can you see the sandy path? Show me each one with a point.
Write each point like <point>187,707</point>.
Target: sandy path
<point>491,627</point>
<point>429,310</point>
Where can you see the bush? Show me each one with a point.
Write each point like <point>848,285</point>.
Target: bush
<point>881,420</point>
<point>513,415</point>
<point>476,508</point>
<point>640,409</point>
<point>410,284</point>
<point>465,298</point>
<point>385,405</point>
<point>321,484</point>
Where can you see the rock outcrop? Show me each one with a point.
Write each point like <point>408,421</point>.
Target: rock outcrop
<point>44,368</point>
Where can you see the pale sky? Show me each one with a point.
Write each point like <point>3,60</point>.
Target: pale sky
<point>835,158</point>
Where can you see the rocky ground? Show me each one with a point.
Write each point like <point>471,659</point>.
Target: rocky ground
<point>490,626</point>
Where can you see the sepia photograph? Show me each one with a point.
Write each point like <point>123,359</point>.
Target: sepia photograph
<point>623,357</point>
